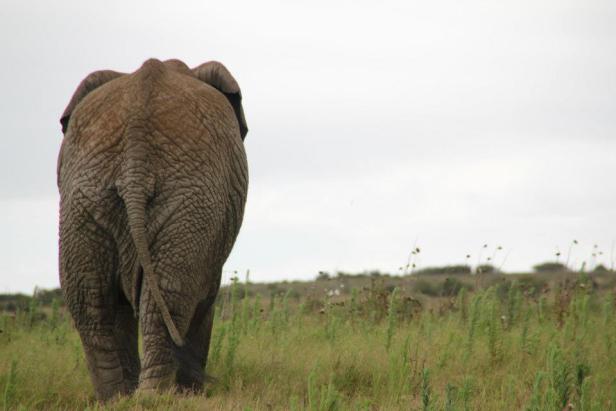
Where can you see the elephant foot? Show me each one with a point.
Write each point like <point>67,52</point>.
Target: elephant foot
<point>190,380</point>
<point>108,375</point>
<point>156,379</point>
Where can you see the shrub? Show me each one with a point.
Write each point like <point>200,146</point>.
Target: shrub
<point>585,282</point>
<point>550,267</point>
<point>451,287</point>
<point>14,302</point>
<point>46,297</point>
<point>426,287</point>
<point>323,276</point>
<point>502,289</point>
<point>532,285</point>
<point>293,294</point>
<point>312,304</point>
<point>409,307</point>
<point>448,269</point>
<point>486,269</point>
<point>273,288</point>
<point>10,307</point>
<point>601,269</point>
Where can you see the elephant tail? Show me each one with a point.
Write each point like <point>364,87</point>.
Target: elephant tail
<point>135,184</point>
<point>135,203</point>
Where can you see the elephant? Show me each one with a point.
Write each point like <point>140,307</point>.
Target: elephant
<point>153,179</point>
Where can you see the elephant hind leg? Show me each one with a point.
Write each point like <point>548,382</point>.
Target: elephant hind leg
<point>180,259</point>
<point>88,263</point>
<point>126,334</point>
<point>192,357</point>
<point>159,365</point>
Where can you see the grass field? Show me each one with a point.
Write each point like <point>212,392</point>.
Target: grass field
<point>481,344</point>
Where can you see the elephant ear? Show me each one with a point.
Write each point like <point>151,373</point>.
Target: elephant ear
<point>217,76</point>
<point>88,84</point>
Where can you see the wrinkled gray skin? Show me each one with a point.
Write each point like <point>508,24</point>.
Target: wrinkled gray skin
<point>153,177</point>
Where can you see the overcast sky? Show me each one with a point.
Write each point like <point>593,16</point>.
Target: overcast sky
<point>374,126</point>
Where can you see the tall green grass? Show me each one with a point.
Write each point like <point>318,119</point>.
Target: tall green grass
<point>487,349</point>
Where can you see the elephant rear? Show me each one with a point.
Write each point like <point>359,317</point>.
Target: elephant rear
<point>153,180</point>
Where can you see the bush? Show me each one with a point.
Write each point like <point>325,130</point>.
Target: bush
<point>532,286</point>
<point>550,267</point>
<point>601,269</point>
<point>14,302</point>
<point>451,287</point>
<point>502,289</point>
<point>323,276</point>
<point>486,269</point>
<point>293,294</point>
<point>426,287</point>
<point>46,297</point>
<point>448,269</point>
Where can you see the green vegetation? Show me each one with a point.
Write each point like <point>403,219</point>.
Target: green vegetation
<point>491,342</point>
<point>550,267</point>
<point>448,269</point>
